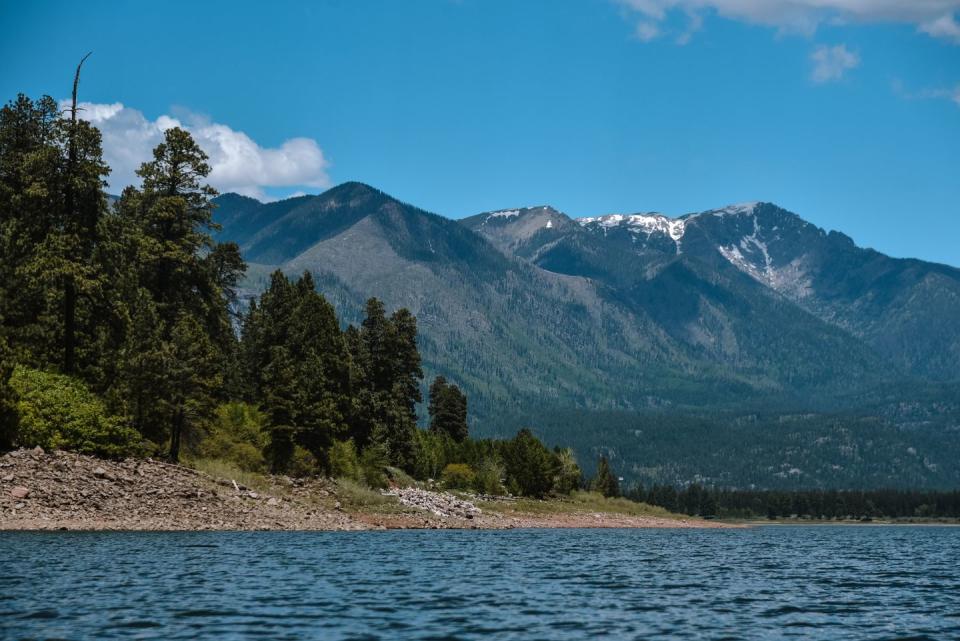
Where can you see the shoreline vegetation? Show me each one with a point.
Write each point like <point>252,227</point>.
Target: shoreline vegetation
<point>123,336</point>
<point>67,491</point>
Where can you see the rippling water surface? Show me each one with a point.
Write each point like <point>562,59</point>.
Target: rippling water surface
<point>763,583</point>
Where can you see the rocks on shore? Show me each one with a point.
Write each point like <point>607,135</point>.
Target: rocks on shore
<point>438,503</point>
<point>62,489</point>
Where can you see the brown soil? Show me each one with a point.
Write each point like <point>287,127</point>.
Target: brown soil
<point>61,490</point>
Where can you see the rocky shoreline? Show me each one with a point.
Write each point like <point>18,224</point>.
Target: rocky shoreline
<point>66,491</point>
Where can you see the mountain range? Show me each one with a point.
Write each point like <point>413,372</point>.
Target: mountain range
<point>575,325</point>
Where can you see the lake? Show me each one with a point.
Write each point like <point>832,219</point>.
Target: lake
<point>826,582</point>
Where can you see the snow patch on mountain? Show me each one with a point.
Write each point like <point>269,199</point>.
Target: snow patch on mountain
<point>734,210</point>
<point>752,256</point>
<point>646,223</point>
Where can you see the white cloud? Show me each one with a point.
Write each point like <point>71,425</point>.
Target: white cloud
<point>830,63</point>
<point>933,17</point>
<point>237,162</point>
<point>647,31</point>
<point>940,93</point>
<point>946,26</point>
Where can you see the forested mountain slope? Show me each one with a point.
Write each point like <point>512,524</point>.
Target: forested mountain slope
<point>573,325</point>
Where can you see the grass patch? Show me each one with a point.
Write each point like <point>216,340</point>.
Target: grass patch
<point>578,503</point>
<point>223,469</point>
<point>361,498</point>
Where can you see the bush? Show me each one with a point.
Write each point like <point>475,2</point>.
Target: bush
<point>237,435</point>
<point>458,476</point>
<point>60,412</point>
<point>373,463</point>
<point>302,463</point>
<point>568,477</point>
<point>489,478</point>
<point>344,462</point>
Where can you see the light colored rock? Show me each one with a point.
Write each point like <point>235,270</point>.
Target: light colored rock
<point>20,492</point>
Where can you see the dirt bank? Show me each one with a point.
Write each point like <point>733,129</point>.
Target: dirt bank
<point>61,490</point>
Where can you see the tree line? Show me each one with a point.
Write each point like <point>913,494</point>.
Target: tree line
<point>121,334</point>
<point>697,500</point>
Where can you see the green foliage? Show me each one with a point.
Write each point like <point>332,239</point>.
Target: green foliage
<point>448,409</point>
<point>696,499</point>
<point>344,462</point>
<point>297,366</point>
<point>356,494</point>
<point>9,417</point>
<point>530,466</point>
<point>60,412</point>
<point>236,435</point>
<point>458,476</point>
<point>606,482</point>
<point>569,477</point>
<point>302,463</point>
<point>489,477</point>
<point>374,461</point>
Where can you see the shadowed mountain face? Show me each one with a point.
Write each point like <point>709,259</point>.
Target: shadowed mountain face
<point>539,316</point>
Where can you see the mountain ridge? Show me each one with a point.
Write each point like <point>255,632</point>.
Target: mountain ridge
<point>593,330</point>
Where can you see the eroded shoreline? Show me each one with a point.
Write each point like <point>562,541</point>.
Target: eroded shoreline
<point>66,491</point>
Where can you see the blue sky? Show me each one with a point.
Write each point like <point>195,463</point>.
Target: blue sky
<point>844,111</point>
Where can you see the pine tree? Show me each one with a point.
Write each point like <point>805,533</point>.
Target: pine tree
<point>448,410</point>
<point>605,482</point>
<point>323,370</point>
<point>193,377</point>
<point>189,280</point>
<point>143,360</point>
<point>530,465</point>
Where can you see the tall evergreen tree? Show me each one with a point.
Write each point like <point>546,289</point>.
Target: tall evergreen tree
<point>51,202</point>
<point>193,376</point>
<point>189,280</point>
<point>606,482</point>
<point>447,409</point>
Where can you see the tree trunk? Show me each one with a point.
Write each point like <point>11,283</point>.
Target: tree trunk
<point>176,434</point>
<point>70,286</point>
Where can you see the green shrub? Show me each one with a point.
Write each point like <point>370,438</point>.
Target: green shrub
<point>568,477</point>
<point>302,463</point>
<point>399,478</point>
<point>344,462</point>
<point>59,412</point>
<point>489,478</point>
<point>237,435</point>
<point>373,463</point>
<point>458,476</point>
<point>357,494</point>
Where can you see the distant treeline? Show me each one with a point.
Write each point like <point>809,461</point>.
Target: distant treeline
<point>697,500</point>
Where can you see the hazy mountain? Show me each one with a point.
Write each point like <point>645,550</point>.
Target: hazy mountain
<point>540,316</point>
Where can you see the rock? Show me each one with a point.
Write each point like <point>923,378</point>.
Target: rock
<point>19,492</point>
<point>38,451</point>
<point>273,501</point>
<point>100,472</point>
<point>7,478</point>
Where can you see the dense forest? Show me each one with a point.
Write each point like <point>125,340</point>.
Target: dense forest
<point>120,335</point>
<point>708,502</point>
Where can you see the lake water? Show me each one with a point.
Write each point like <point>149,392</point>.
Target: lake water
<point>763,583</point>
